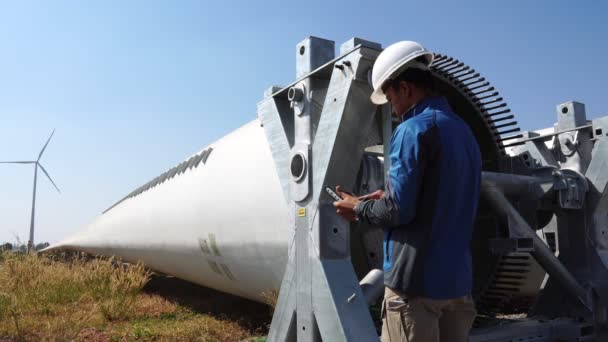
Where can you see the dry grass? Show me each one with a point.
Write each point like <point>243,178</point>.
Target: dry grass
<point>271,298</point>
<point>43,298</point>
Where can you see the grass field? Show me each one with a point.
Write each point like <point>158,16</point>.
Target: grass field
<point>59,298</point>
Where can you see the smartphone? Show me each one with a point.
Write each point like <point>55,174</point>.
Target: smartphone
<point>332,193</point>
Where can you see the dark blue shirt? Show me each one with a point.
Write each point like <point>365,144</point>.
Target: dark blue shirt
<point>430,203</point>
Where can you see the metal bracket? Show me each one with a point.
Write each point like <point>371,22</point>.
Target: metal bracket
<point>571,188</point>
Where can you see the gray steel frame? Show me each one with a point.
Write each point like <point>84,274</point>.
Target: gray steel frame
<point>569,170</point>
<point>321,122</point>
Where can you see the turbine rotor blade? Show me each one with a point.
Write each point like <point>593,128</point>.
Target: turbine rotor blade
<point>17,162</point>
<point>45,145</point>
<point>49,177</point>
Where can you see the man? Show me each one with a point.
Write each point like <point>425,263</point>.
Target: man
<point>428,207</point>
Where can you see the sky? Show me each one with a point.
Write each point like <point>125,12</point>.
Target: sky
<point>134,87</point>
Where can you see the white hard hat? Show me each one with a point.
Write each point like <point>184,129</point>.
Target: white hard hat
<point>393,60</point>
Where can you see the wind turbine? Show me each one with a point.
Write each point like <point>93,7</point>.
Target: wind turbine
<point>37,165</point>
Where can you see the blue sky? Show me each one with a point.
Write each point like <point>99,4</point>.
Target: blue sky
<point>134,87</point>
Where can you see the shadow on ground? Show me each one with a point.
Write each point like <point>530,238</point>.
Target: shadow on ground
<point>252,315</point>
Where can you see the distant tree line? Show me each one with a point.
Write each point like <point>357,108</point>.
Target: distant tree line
<point>21,247</point>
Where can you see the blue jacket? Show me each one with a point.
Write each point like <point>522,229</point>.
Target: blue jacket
<point>430,203</point>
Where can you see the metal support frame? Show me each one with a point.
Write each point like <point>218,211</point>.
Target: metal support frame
<point>576,154</point>
<point>541,252</point>
<point>317,129</point>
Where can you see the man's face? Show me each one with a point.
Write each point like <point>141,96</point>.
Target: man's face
<point>399,98</point>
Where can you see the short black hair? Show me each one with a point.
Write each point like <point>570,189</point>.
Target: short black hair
<point>418,77</point>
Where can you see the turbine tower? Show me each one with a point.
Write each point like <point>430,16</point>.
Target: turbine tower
<point>37,165</point>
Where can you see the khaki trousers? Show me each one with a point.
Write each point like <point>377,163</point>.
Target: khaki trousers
<point>421,319</point>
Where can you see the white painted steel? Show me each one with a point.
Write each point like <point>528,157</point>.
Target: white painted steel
<point>234,199</point>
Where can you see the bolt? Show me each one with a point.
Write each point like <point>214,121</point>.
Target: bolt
<point>295,94</point>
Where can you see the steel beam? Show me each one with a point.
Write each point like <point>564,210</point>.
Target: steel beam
<point>543,255</point>
<point>518,185</point>
<point>319,139</point>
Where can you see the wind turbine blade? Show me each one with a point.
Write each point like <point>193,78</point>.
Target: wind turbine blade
<point>49,177</point>
<point>17,162</point>
<point>47,142</point>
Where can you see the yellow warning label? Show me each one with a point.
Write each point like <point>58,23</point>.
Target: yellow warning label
<point>301,212</point>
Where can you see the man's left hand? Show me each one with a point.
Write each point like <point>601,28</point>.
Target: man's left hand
<point>346,207</point>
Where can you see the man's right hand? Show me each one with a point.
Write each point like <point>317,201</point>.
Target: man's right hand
<point>376,195</point>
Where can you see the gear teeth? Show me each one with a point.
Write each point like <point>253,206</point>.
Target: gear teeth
<point>495,107</point>
<point>466,85</point>
<point>470,77</point>
<point>444,62</point>
<point>461,72</point>
<point>511,123</point>
<point>489,115</point>
<point>437,58</point>
<point>456,73</point>
<point>485,84</point>
<point>452,67</point>
<point>480,92</point>
<point>479,103</point>
<point>486,96</point>
<point>508,117</point>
